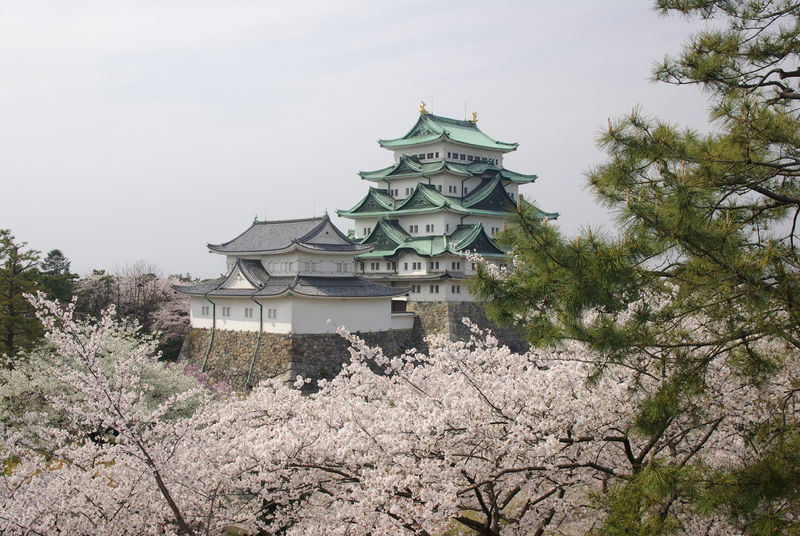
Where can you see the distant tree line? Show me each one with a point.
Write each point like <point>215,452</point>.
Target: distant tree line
<point>139,293</point>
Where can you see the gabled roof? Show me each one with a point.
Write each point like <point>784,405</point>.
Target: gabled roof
<point>376,200</point>
<point>265,285</point>
<point>274,236</point>
<point>430,128</point>
<point>489,199</point>
<point>490,195</point>
<point>408,167</point>
<point>388,239</point>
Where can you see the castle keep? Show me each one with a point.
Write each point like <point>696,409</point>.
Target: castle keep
<point>399,275</point>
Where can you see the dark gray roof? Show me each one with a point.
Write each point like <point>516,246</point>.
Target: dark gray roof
<point>266,285</point>
<point>278,235</point>
<point>343,287</point>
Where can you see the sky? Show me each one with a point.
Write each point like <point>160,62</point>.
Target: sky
<point>143,130</point>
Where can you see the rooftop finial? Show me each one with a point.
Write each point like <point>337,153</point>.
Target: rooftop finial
<point>422,109</point>
<point>326,212</point>
<point>474,117</point>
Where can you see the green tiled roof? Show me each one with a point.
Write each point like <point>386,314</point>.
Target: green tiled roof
<point>409,167</point>
<point>489,199</point>
<point>388,239</point>
<point>376,201</point>
<point>430,128</point>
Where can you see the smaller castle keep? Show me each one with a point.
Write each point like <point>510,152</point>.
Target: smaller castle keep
<point>288,283</point>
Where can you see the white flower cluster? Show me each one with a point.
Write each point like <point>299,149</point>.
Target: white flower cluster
<point>469,433</point>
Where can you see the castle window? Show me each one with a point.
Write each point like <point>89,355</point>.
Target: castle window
<point>448,155</point>
<point>463,156</point>
<point>437,154</point>
<point>272,314</point>
<point>455,265</point>
<point>465,189</point>
<point>413,228</point>
<point>429,228</point>
<point>434,289</point>
<point>439,187</point>
<point>405,266</point>
<point>408,191</point>
<point>469,158</point>
<point>455,289</point>
<point>375,266</point>
<point>248,312</point>
<point>434,265</point>
<point>390,266</point>
<point>416,266</point>
<point>447,228</point>
<point>430,155</point>
<point>204,310</point>
<point>420,156</point>
<point>226,311</point>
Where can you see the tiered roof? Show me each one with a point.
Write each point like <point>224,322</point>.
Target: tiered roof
<point>409,167</point>
<point>388,239</point>
<point>263,285</point>
<point>489,198</point>
<point>314,234</point>
<point>430,128</point>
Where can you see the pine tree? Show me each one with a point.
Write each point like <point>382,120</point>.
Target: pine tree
<point>707,243</point>
<point>19,327</point>
<point>55,277</point>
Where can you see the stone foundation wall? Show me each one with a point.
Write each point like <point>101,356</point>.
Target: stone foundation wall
<point>231,356</point>
<point>446,318</point>
<point>284,356</point>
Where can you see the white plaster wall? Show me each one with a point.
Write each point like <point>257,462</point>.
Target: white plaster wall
<point>410,259</point>
<point>402,184</point>
<point>422,149</point>
<point>327,235</point>
<point>474,152</point>
<point>237,320</point>
<point>487,221</point>
<point>445,180</point>
<point>311,315</point>
<point>197,319</point>
<point>289,264</point>
<point>513,189</point>
<point>362,223</point>
<point>445,291</point>
<point>438,219</point>
<point>471,184</point>
<point>403,320</point>
<point>237,280</point>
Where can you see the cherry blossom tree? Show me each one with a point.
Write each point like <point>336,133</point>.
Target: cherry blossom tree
<point>468,436</point>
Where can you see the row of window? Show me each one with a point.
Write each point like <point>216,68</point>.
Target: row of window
<point>249,312</point>
<point>391,265</point>
<point>470,158</point>
<point>309,266</point>
<point>434,289</point>
<point>451,189</point>
<point>458,156</point>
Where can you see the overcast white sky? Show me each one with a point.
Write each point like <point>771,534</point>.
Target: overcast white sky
<point>144,129</point>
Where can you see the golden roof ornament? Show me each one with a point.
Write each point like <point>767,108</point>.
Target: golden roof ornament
<point>474,117</point>
<point>422,109</point>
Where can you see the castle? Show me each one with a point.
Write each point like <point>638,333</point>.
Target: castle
<point>446,193</point>
<point>398,276</point>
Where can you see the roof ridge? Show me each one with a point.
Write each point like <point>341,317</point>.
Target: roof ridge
<point>459,122</point>
<point>478,195</point>
<point>296,220</point>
